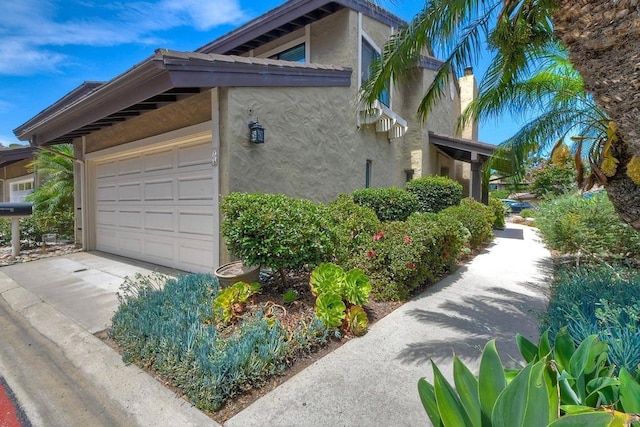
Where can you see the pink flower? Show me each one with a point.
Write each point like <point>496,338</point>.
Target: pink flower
<point>411,265</point>
<point>446,255</point>
<point>378,236</point>
<point>407,239</point>
<point>371,254</point>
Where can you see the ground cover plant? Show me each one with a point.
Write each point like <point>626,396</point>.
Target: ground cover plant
<point>599,299</point>
<point>174,327</point>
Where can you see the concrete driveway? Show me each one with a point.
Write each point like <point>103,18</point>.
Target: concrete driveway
<point>82,285</point>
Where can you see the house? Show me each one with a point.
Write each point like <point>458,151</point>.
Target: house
<point>160,144</point>
<point>18,180</point>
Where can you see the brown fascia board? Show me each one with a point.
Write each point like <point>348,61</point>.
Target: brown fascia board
<point>77,93</point>
<point>16,154</point>
<point>143,81</point>
<point>288,12</point>
<point>186,69</point>
<point>463,144</point>
<point>167,70</point>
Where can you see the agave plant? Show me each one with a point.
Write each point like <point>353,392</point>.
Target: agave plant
<point>560,386</point>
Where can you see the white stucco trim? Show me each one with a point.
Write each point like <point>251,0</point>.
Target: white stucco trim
<point>215,163</point>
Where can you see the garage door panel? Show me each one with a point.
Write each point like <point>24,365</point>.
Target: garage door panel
<point>199,223</point>
<point>158,161</point>
<point>159,190</point>
<point>195,188</point>
<point>106,193</point>
<point>192,155</point>
<point>106,217</point>
<point>159,220</point>
<point>130,166</point>
<point>157,206</point>
<point>130,219</point>
<point>130,191</point>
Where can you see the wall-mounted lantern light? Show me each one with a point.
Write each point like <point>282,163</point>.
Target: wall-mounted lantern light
<point>256,133</point>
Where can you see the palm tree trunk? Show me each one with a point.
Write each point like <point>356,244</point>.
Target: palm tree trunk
<point>603,38</point>
<point>622,191</point>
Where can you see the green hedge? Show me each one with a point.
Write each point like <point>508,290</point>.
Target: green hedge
<point>572,224</point>
<point>403,256</point>
<point>352,227</point>
<point>389,204</point>
<point>498,210</point>
<point>476,217</point>
<point>33,227</point>
<point>602,301</point>
<point>170,329</point>
<point>435,193</point>
<point>276,231</point>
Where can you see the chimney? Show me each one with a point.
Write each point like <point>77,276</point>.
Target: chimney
<point>468,92</point>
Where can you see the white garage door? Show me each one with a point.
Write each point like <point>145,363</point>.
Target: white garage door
<point>157,206</point>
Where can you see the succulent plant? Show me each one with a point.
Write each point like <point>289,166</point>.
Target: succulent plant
<point>358,320</point>
<point>289,296</point>
<point>327,277</point>
<point>230,301</point>
<point>330,309</point>
<point>357,287</point>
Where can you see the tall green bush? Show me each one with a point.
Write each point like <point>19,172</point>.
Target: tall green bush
<point>476,217</point>
<point>352,227</point>
<point>498,210</point>
<point>389,204</point>
<point>435,193</point>
<point>41,222</point>
<point>573,224</point>
<point>276,231</point>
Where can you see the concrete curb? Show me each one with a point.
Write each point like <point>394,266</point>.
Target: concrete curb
<point>147,401</point>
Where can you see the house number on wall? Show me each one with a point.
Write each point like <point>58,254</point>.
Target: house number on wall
<point>214,157</point>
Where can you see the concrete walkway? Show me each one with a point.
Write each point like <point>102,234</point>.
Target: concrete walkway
<point>369,381</point>
<point>372,381</point>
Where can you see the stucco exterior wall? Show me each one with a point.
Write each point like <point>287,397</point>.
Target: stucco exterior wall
<point>312,147</point>
<point>190,111</point>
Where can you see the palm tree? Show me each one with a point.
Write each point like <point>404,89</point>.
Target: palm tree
<point>521,36</point>
<point>54,167</point>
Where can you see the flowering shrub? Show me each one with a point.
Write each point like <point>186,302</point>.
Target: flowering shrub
<point>405,255</point>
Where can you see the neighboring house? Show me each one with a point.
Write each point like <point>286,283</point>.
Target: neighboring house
<point>158,145</point>
<point>17,180</point>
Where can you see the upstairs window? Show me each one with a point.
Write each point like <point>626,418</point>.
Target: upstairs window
<point>294,54</point>
<point>369,56</point>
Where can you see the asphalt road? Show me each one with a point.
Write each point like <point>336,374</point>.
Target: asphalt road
<point>49,390</point>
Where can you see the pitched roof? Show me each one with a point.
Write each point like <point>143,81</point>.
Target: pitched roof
<point>289,17</point>
<point>12,155</point>
<point>160,79</point>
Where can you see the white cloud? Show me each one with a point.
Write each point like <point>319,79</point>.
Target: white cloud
<point>6,141</point>
<point>32,31</point>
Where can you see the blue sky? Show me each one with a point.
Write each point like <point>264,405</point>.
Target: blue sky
<point>50,47</point>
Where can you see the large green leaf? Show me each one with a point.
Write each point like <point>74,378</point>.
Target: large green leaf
<point>563,350</point>
<point>579,363</point>
<point>450,407</point>
<point>491,379</point>
<point>544,348</point>
<point>601,391</point>
<point>467,388</point>
<point>590,419</point>
<point>428,399</point>
<point>629,392</point>
<point>525,401</point>
<point>528,350</point>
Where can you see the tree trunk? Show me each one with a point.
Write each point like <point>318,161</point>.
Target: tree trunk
<point>603,38</point>
<point>622,191</point>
